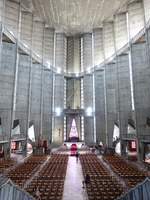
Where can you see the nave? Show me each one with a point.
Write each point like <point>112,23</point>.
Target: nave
<point>59,176</point>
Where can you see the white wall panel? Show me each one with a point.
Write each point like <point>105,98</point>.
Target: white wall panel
<point>60,51</point>
<point>98,46</point>
<point>147,9</point>
<point>38,35</point>
<point>108,39</point>
<point>136,18</point>
<point>1,10</point>
<point>12,10</point>
<point>121,34</point>
<point>26,28</point>
<point>49,46</point>
<point>87,51</point>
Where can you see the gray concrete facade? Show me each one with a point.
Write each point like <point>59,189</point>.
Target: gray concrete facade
<point>111,100</point>
<point>100,107</point>
<point>124,97</point>
<point>141,73</point>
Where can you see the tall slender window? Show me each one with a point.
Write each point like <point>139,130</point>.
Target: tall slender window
<point>82,128</point>
<point>65,93</point>
<point>82,94</point>
<point>130,65</point>
<point>65,130</point>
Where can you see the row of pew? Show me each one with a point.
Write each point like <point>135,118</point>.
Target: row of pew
<point>24,171</point>
<point>102,185</point>
<point>5,164</point>
<point>49,183</point>
<point>129,173</point>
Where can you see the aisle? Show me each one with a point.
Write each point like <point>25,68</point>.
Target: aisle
<point>73,183</point>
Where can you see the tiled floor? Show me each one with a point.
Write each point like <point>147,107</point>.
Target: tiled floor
<point>73,183</point>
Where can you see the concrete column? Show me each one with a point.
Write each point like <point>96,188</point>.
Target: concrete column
<point>26,36</point>
<point>108,39</point>
<point>60,52</point>
<point>87,64</point>
<point>47,85</point>
<point>15,28</point>
<point>120,29</point>
<point>58,108</point>
<point>73,54</point>
<point>98,46</point>
<point>111,93</point>
<point>141,74</point>
<point>123,77</point>
<point>135,18</point>
<point>58,87</point>
<point>12,12</point>
<point>100,107</point>
<point>23,80</point>
<point>35,109</point>
<point>2,11</point>
<point>38,47</point>
<point>26,28</point>
<point>87,51</point>
<point>38,35</point>
<point>146,4</point>
<point>7,77</point>
<point>124,97</point>
<point>73,93</point>
<point>88,108</point>
<point>47,105</point>
<point>48,48</point>
<point>111,99</point>
<point>140,62</point>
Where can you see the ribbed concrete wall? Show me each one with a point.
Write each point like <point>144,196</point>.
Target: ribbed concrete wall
<point>60,51</point>
<point>73,93</point>
<point>124,97</point>
<point>120,28</point>
<point>58,133</point>
<point>73,54</point>
<point>88,104</point>
<point>1,10</point>
<point>58,102</point>
<point>136,18</point>
<point>124,93</point>
<point>111,99</point>
<point>38,37</point>
<point>87,51</point>
<point>26,28</point>
<point>36,98</point>
<point>12,12</point>
<point>100,106</point>
<point>7,77</point>
<point>48,48</point>
<point>108,39</point>
<point>146,4</point>
<point>141,81</point>
<point>47,105</point>
<point>98,46</point>
<point>22,94</point>
<point>88,130</point>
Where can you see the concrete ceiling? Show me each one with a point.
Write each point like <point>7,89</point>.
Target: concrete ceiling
<point>75,16</point>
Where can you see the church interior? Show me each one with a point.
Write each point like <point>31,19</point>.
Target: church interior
<point>74,99</point>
